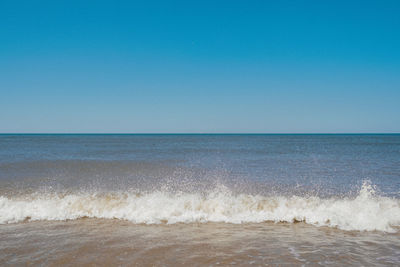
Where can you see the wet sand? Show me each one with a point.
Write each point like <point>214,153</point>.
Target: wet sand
<point>100,242</point>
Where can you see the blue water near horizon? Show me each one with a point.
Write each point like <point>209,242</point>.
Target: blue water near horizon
<point>322,164</point>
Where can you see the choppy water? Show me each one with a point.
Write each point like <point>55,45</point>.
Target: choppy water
<point>200,199</point>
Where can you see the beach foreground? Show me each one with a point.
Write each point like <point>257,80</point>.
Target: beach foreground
<point>115,242</point>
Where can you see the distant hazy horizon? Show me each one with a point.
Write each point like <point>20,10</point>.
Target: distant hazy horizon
<point>197,133</point>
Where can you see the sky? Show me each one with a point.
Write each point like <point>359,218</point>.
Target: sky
<point>199,66</point>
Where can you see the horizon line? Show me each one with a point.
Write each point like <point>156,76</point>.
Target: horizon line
<point>189,133</point>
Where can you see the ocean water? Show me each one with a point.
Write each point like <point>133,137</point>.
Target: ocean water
<point>200,199</point>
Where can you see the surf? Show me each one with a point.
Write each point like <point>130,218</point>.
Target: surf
<point>367,211</point>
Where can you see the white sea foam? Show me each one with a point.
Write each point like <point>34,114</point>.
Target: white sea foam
<point>365,212</point>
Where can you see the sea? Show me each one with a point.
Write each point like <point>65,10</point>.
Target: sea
<point>200,199</point>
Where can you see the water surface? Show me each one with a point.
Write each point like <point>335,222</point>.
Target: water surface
<point>200,199</point>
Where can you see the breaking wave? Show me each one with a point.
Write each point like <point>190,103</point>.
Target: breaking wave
<point>365,212</point>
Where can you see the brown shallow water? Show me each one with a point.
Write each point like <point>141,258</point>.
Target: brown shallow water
<point>102,242</point>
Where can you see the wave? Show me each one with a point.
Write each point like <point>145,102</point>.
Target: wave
<point>365,212</point>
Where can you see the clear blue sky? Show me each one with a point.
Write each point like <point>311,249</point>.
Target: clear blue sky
<point>199,66</point>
